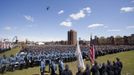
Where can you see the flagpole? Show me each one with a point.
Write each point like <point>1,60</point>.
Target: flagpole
<point>91,51</point>
<point>79,57</point>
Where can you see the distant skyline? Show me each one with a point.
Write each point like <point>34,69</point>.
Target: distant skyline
<point>30,19</point>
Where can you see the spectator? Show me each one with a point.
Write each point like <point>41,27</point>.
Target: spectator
<point>110,70</point>
<point>79,71</point>
<point>115,67</point>
<point>67,71</point>
<point>119,64</point>
<point>103,70</point>
<point>95,69</point>
<point>87,70</point>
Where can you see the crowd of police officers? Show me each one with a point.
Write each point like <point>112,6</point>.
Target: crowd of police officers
<point>52,55</point>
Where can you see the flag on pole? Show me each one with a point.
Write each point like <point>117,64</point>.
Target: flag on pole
<point>79,57</point>
<point>92,54</point>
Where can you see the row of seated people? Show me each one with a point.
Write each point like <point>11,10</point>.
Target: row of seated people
<point>65,50</point>
<point>32,55</point>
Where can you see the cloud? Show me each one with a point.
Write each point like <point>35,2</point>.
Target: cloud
<point>95,25</point>
<point>127,9</point>
<point>66,23</point>
<point>76,16</point>
<point>113,30</point>
<point>81,14</point>
<point>29,18</point>
<point>7,28</point>
<point>130,27</point>
<point>61,12</point>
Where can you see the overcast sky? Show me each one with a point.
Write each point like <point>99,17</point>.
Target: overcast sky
<point>30,19</point>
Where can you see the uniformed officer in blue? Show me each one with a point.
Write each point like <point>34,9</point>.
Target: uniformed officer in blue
<point>42,67</point>
<point>61,67</point>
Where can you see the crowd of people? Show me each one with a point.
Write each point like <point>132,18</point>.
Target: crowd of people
<point>33,55</point>
<point>110,68</point>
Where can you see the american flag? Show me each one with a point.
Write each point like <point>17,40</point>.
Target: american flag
<point>92,54</point>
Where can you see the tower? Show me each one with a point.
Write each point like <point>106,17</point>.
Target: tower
<point>72,37</point>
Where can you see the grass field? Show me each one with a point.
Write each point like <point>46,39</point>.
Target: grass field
<point>13,51</point>
<point>126,57</point>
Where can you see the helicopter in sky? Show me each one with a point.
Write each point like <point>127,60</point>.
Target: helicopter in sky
<point>47,8</point>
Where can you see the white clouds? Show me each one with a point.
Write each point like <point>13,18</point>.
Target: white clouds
<point>81,14</point>
<point>29,18</point>
<point>10,28</point>
<point>66,23</point>
<point>114,30</point>
<point>87,9</point>
<point>61,12</point>
<point>130,27</point>
<point>95,25</point>
<point>127,9</point>
<point>75,16</point>
<point>7,28</point>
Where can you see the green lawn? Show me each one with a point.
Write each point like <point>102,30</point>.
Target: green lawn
<point>126,57</point>
<point>12,51</point>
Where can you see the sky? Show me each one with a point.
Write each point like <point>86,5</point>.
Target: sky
<point>30,19</point>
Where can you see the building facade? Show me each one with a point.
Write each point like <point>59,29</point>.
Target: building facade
<point>117,40</point>
<point>72,37</point>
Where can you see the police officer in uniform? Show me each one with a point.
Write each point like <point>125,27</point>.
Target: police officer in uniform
<point>4,64</point>
<point>12,62</point>
<point>53,68</point>
<point>49,64</point>
<point>61,67</point>
<point>42,67</point>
